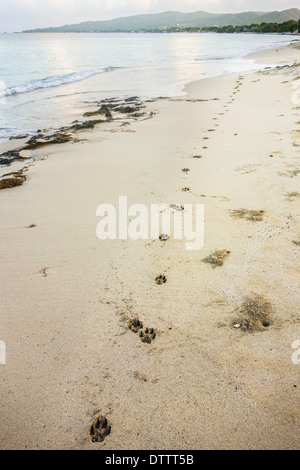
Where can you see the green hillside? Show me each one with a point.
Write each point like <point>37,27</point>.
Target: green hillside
<point>171,19</point>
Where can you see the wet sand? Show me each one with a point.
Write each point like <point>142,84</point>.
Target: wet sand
<point>212,378</point>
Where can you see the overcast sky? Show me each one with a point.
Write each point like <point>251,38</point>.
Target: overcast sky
<point>17,15</point>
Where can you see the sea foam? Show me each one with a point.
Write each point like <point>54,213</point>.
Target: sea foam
<point>49,82</point>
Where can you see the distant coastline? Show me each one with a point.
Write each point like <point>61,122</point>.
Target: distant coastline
<point>172,21</point>
<point>150,32</point>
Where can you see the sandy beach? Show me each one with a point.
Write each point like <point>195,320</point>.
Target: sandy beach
<point>214,377</point>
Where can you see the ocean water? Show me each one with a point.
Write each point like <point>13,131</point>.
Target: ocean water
<point>47,80</point>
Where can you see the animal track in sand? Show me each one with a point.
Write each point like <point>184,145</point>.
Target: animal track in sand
<point>100,429</point>
<point>246,169</point>
<point>135,325</point>
<point>44,272</point>
<point>291,173</point>
<point>140,376</point>
<point>161,279</point>
<point>222,198</point>
<point>148,335</point>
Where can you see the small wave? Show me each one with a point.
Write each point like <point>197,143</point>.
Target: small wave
<point>204,59</point>
<point>55,81</point>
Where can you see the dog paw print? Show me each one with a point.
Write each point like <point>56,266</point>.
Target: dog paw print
<point>135,325</point>
<point>100,429</point>
<point>148,335</point>
<point>161,279</point>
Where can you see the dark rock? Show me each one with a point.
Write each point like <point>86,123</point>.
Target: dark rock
<point>86,125</point>
<point>125,109</point>
<point>11,156</point>
<point>102,110</point>
<point>18,137</point>
<point>138,115</point>
<point>131,99</point>
<point>40,140</point>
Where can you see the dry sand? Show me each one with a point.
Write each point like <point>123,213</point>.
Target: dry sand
<point>66,296</point>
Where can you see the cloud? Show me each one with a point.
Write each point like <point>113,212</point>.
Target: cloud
<point>17,15</point>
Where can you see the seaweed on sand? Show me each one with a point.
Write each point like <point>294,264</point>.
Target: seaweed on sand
<point>252,215</point>
<point>13,180</point>
<point>9,157</point>
<point>217,258</point>
<point>254,314</point>
<point>41,140</point>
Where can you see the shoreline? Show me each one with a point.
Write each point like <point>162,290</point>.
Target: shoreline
<point>263,57</point>
<point>274,54</point>
<point>70,111</point>
<point>67,297</point>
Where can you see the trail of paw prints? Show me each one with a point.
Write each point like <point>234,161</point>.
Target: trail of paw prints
<point>146,335</point>
<point>239,83</point>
